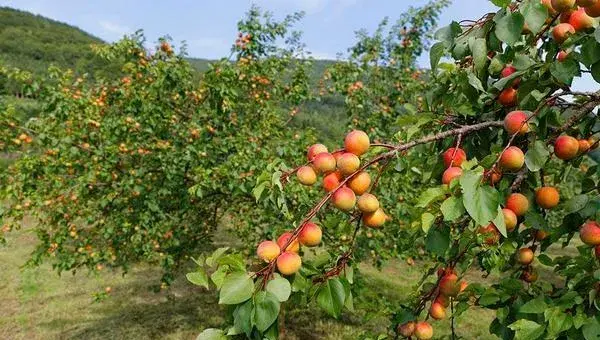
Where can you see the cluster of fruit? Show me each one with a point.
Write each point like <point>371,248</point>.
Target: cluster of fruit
<point>344,180</point>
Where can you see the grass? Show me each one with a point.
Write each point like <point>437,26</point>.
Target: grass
<point>38,304</point>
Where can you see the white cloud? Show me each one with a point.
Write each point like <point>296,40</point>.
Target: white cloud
<point>320,55</point>
<point>114,29</point>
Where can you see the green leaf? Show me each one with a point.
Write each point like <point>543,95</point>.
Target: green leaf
<point>558,321</point>
<point>218,276</point>
<point>522,62</point>
<point>452,208</point>
<point>331,297</point>
<point>565,71</point>
<point>435,54</point>
<point>535,306</point>
<point>211,261</point>
<point>590,52</point>
<point>475,82</point>
<point>591,329</point>
<point>438,241</point>
<point>535,14</point>
<point>480,55</point>
<point>481,202</point>
<point>427,220</point>
<point>242,317</point>
<point>198,278</point>
<point>430,195</point>
<point>501,3</point>
<point>596,72</point>
<point>280,287</point>
<point>212,334</point>
<point>509,28</point>
<point>537,156</point>
<point>237,288</point>
<point>527,329</point>
<point>447,34</point>
<point>499,222</point>
<point>266,310</point>
<point>576,203</point>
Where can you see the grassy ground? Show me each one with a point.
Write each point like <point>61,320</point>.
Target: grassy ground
<point>37,304</point>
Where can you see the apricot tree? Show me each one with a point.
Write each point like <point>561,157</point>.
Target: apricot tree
<point>513,173</point>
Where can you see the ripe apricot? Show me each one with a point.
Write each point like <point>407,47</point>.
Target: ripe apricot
<point>561,32</point>
<point>510,219</point>
<point>344,198</point>
<point>367,203</point>
<point>459,157</point>
<point>288,263</point>
<point>508,97</point>
<point>310,235</point>
<point>490,233</point>
<point>423,330</point>
<point>593,10</point>
<point>267,251</point>
<point>324,162</point>
<point>525,256</point>
<point>547,197</point>
<point>348,163</point>
<point>407,329</point>
<point>580,20</point>
<point>374,219</point>
<point>449,285</point>
<point>437,311</point>
<point>548,4</point>
<point>586,3</point>
<point>332,181</point>
<point>518,203</point>
<point>562,56</point>
<point>566,147</point>
<point>360,182</point>
<point>450,174</point>
<point>529,275</point>
<point>512,159</point>
<point>584,146</point>
<point>590,233</point>
<point>306,175</point>
<point>314,150</point>
<point>283,239</point>
<point>563,5</point>
<point>357,142</point>
<point>516,122</point>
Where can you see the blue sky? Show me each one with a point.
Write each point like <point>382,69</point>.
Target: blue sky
<point>208,26</point>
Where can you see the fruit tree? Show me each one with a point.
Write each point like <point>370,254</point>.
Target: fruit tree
<point>508,174</point>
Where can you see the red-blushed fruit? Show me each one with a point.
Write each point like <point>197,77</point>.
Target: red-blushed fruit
<point>360,182</point>
<point>314,150</point>
<point>332,181</point>
<point>494,175</point>
<point>442,300</point>
<point>512,159</point>
<point>407,329</point>
<point>566,147</point>
<point>437,311</point>
<point>423,330</point>
<point>597,252</point>
<point>547,197</point>
<point>580,20</point>
<point>449,285</point>
<point>516,122</point>
<point>525,256</point>
<point>585,3</point>
<point>518,203</point>
<point>310,235</point>
<point>374,219</point>
<point>357,142</point>
<point>490,233</point>
<point>561,32</point>
<point>590,233</point>
<point>283,239</point>
<point>324,162</point>
<point>450,174</point>
<point>510,219</point>
<point>529,275</point>
<point>288,263</point>
<point>507,71</point>
<point>367,203</point>
<point>541,235</point>
<point>562,56</point>
<point>337,154</point>
<point>348,163</point>
<point>459,157</point>
<point>593,10</point>
<point>344,198</point>
<point>508,97</point>
<point>584,146</point>
<point>563,5</point>
<point>267,251</point>
<point>306,175</point>
<point>548,4</point>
